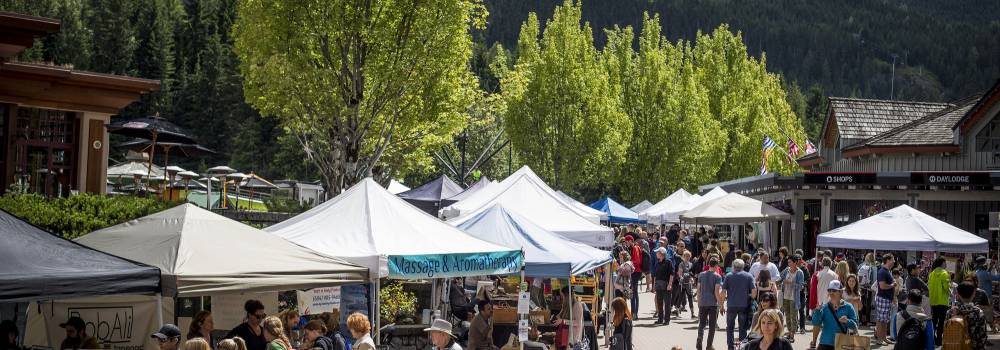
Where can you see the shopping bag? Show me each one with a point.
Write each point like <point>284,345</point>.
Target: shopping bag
<point>846,341</point>
<point>562,336</point>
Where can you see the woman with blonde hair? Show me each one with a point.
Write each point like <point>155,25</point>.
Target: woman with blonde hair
<point>274,333</point>
<point>360,328</point>
<point>290,319</point>
<point>622,322</point>
<point>770,328</point>
<point>842,269</point>
<point>196,344</point>
<point>234,343</point>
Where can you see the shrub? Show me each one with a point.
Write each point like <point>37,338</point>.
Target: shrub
<point>77,215</point>
<point>396,303</point>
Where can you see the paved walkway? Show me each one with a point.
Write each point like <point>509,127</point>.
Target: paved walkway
<point>683,332</point>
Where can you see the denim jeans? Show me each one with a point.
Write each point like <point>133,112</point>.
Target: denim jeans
<point>744,317</point>
<point>635,294</point>
<point>707,316</point>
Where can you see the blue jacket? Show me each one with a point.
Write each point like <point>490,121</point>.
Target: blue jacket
<point>928,327</point>
<point>800,282</point>
<point>829,321</point>
<point>986,279</point>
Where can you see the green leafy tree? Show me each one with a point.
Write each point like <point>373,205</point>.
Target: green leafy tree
<point>366,87</point>
<point>560,117</point>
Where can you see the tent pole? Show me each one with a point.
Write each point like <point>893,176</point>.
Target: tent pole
<point>609,291</point>
<point>375,309</point>
<point>159,309</point>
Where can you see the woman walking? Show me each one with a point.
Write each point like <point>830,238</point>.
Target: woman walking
<point>833,317</point>
<point>621,339</point>
<point>770,328</point>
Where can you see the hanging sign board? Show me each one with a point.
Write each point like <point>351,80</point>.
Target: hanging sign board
<point>454,265</point>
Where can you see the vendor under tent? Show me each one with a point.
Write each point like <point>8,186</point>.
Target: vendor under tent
<point>428,196</point>
<point>587,211</point>
<point>645,204</point>
<point>395,187</point>
<point>38,265</point>
<point>617,213</point>
<point>371,227</point>
<point>546,254</point>
<point>733,208</point>
<point>539,203</point>
<point>200,253</point>
<point>903,228</point>
<point>483,183</point>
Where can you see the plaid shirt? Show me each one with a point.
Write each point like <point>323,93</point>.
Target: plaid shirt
<point>974,319</point>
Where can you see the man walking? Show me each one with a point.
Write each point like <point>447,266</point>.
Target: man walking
<point>737,289</point>
<point>883,300</point>
<point>709,295</point>
<point>663,281</point>
<point>823,279</point>
<point>792,280</point>
<point>939,285</point>
<point>764,263</point>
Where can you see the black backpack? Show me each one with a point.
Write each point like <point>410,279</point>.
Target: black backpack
<point>912,335</point>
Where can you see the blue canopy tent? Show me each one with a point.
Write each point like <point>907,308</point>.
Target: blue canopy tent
<point>546,254</point>
<point>617,213</point>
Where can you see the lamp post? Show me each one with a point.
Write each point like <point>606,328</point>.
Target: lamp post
<point>219,170</point>
<point>237,177</point>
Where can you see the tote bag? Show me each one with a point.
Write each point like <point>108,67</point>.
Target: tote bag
<point>847,341</point>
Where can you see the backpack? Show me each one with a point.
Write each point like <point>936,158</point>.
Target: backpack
<point>644,248</point>
<point>865,275</point>
<point>912,334</point>
<point>956,335</point>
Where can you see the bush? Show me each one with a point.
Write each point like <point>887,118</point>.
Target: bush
<point>396,304</point>
<point>77,215</point>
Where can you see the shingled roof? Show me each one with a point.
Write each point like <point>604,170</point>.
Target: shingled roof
<point>861,119</point>
<point>934,129</point>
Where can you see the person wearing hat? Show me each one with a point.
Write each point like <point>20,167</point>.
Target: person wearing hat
<point>76,335</point>
<point>441,336</point>
<point>169,337</point>
<point>663,280</point>
<point>835,316</point>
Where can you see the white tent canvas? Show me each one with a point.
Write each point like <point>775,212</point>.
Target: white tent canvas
<point>645,204</point>
<point>733,208</point>
<point>395,187</point>
<point>200,253</point>
<point>654,214</point>
<point>534,199</point>
<point>903,228</point>
<point>583,208</point>
<point>371,227</point>
<point>673,214</point>
<point>546,254</point>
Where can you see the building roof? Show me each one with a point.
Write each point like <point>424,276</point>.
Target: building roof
<point>933,129</point>
<point>989,99</point>
<point>18,32</point>
<point>862,119</point>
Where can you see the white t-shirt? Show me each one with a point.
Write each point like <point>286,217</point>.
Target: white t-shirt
<point>771,267</point>
<point>822,283</point>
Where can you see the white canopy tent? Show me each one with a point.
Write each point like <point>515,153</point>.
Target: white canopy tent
<point>654,214</point>
<point>903,228</point>
<point>199,253</point>
<point>580,207</point>
<point>369,226</point>
<point>733,208</point>
<point>540,204</point>
<point>395,187</point>
<point>645,204</point>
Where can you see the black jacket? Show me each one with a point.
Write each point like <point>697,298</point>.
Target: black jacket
<point>664,269</point>
<point>778,344</point>
<point>326,343</point>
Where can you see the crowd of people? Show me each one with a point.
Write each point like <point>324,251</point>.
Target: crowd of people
<point>766,299</point>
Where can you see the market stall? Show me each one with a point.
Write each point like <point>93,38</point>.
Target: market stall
<point>539,203</point>
<point>645,204</point>
<point>546,255</point>
<point>428,196</point>
<point>583,208</point>
<point>369,226</point>
<point>903,228</point>
<point>480,185</point>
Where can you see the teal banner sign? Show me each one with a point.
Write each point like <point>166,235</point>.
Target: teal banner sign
<point>454,265</point>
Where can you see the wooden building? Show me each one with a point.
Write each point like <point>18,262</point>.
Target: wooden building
<point>52,118</point>
<point>941,158</point>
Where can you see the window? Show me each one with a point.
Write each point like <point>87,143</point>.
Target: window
<point>44,151</point>
<point>988,139</point>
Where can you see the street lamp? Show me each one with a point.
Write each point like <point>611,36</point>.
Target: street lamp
<point>238,177</point>
<point>219,170</point>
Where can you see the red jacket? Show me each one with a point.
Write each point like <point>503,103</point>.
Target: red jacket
<point>637,257</point>
<point>812,292</point>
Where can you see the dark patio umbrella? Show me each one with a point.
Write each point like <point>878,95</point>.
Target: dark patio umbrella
<point>153,128</point>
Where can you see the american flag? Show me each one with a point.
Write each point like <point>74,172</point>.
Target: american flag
<point>810,148</point>
<point>793,150</point>
<point>768,146</point>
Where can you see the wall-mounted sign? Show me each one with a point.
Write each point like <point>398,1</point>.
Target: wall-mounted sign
<point>839,178</point>
<point>950,178</point>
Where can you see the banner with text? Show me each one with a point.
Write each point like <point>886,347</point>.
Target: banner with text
<point>120,322</point>
<point>454,265</point>
<point>318,300</point>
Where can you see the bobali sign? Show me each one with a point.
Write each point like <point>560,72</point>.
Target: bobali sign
<point>454,265</point>
<point>118,322</point>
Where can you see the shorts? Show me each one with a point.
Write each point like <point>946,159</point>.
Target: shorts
<point>883,309</point>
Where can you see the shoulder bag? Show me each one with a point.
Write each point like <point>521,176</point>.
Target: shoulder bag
<point>845,340</point>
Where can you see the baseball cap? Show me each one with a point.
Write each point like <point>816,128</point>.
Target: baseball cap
<point>167,331</point>
<point>629,238</point>
<point>75,322</point>
<point>835,285</point>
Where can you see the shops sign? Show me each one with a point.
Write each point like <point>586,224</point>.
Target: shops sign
<point>839,178</point>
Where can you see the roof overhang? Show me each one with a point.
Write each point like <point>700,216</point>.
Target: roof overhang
<point>18,32</point>
<point>810,161</point>
<point>64,88</point>
<point>864,150</point>
<point>970,119</point>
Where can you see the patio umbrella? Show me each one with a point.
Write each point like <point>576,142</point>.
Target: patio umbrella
<point>237,179</point>
<point>153,128</point>
<point>255,182</point>
<point>187,150</point>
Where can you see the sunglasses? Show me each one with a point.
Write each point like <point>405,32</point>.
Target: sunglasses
<point>165,340</point>
<point>260,315</point>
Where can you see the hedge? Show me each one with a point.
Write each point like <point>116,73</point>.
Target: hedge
<point>77,215</point>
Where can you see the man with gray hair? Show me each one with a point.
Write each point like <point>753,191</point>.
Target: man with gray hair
<point>737,289</point>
